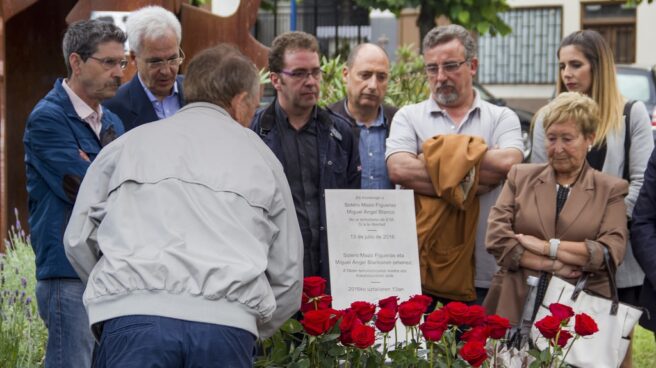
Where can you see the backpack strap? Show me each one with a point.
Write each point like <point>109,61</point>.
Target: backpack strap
<point>626,175</point>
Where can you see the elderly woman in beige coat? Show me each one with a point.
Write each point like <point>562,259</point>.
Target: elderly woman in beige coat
<point>556,217</point>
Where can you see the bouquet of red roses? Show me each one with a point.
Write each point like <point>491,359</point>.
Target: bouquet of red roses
<point>455,335</point>
<point>555,328</point>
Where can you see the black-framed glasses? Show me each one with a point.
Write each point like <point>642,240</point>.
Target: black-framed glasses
<point>433,69</point>
<point>302,74</point>
<point>111,63</point>
<point>170,62</point>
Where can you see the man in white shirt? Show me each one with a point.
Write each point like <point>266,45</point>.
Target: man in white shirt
<point>455,108</point>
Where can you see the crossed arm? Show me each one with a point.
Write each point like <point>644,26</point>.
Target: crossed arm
<point>409,170</point>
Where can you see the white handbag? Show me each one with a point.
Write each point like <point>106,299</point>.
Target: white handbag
<point>615,320</point>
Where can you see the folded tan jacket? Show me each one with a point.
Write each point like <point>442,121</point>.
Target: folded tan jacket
<point>446,225</point>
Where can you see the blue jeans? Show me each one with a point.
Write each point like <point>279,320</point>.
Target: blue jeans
<point>70,343</point>
<point>150,341</point>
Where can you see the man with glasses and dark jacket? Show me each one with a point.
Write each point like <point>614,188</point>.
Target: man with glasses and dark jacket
<point>315,146</point>
<point>155,92</point>
<point>63,134</point>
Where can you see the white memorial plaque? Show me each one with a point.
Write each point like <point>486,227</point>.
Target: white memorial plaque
<point>372,245</point>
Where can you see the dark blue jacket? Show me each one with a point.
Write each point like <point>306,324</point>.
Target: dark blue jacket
<point>339,159</point>
<point>132,105</point>
<point>54,134</point>
<point>643,241</point>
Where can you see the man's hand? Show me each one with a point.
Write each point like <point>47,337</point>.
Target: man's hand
<point>83,155</point>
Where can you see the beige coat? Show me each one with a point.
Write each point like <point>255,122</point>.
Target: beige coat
<point>594,213</point>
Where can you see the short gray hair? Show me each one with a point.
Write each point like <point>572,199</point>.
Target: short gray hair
<point>218,74</point>
<point>83,38</point>
<point>151,22</point>
<point>443,34</point>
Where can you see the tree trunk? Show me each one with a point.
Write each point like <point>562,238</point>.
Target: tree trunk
<point>426,20</point>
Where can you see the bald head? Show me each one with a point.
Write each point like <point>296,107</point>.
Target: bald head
<point>366,75</point>
<point>367,48</point>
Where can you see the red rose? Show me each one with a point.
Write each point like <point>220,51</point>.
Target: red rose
<point>563,338</point>
<point>432,330</point>
<point>561,311</point>
<point>424,300</point>
<point>474,353</point>
<point>363,336</point>
<point>318,302</point>
<point>348,322</point>
<point>439,316</point>
<point>478,333</point>
<point>386,320</point>
<point>548,326</point>
<point>314,286</point>
<point>585,325</point>
<point>476,315</point>
<point>389,303</point>
<point>317,322</point>
<point>458,313</point>
<point>497,326</point>
<point>411,312</point>
<point>364,310</point>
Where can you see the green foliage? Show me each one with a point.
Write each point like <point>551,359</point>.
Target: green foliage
<point>407,82</point>
<point>22,333</point>
<point>478,15</point>
<point>644,348</point>
<point>332,87</point>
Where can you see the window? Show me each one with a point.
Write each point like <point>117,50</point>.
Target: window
<point>616,22</point>
<point>528,54</point>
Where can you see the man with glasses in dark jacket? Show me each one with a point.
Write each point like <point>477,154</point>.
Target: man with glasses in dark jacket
<point>315,146</point>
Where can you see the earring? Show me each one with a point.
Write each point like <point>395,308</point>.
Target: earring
<point>589,147</point>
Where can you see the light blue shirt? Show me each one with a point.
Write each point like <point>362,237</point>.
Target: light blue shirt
<point>372,154</point>
<point>168,106</point>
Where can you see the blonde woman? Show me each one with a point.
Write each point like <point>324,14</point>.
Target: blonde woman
<point>587,66</point>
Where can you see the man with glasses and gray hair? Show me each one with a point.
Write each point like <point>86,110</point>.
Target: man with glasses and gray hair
<point>454,107</point>
<point>63,134</point>
<point>315,146</point>
<point>155,92</point>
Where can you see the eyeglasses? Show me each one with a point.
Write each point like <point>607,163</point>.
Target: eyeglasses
<point>171,62</point>
<point>111,63</point>
<point>302,74</point>
<point>434,69</point>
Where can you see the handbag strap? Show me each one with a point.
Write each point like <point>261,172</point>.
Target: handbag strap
<point>583,282</point>
<point>627,139</point>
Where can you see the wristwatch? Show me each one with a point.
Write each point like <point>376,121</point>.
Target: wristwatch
<point>553,247</point>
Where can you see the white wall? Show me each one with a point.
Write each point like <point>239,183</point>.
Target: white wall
<point>645,32</point>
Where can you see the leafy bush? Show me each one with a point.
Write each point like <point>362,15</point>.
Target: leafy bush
<point>22,333</point>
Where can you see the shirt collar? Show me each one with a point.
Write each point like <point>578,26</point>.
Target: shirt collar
<point>151,96</point>
<point>435,108</point>
<point>83,110</point>
<point>380,119</point>
<point>282,114</point>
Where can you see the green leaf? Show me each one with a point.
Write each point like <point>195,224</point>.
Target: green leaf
<point>463,17</point>
<point>292,326</point>
<point>483,27</point>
